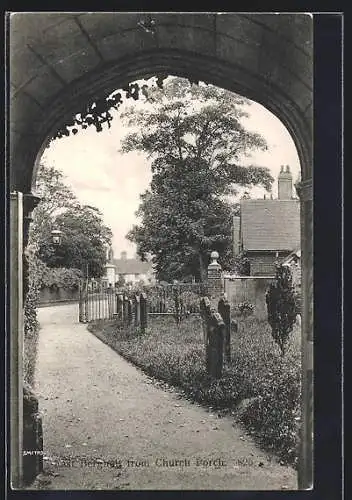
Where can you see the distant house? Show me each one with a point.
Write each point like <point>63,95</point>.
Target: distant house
<point>130,270</point>
<point>268,230</point>
<point>133,270</point>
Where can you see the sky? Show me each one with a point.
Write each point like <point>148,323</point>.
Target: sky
<point>101,176</point>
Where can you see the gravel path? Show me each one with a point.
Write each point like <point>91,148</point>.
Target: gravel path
<point>109,426</point>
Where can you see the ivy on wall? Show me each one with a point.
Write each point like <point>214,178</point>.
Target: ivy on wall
<point>40,276</point>
<point>35,270</point>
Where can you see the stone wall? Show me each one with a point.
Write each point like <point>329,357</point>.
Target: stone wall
<point>251,289</point>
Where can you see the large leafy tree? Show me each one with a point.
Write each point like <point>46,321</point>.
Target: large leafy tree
<point>84,241</point>
<point>84,235</point>
<point>196,142</point>
<point>55,197</point>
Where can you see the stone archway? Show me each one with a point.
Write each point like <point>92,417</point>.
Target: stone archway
<point>59,61</point>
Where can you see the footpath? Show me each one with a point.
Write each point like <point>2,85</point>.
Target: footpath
<point>109,426</point>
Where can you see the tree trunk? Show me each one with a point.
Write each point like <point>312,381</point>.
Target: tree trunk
<point>202,269</point>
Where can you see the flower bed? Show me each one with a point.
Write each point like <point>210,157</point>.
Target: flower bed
<point>257,373</point>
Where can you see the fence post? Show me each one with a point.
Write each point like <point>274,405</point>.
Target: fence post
<point>125,309</point>
<point>116,304</point>
<point>215,345</point>
<point>129,312</point>
<point>137,310</point>
<point>110,293</point>
<point>160,302</point>
<point>177,302</point>
<point>215,281</point>
<point>80,306</point>
<point>119,306</point>
<point>204,313</point>
<point>163,310</point>
<point>225,313</point>
<point>83,304</point>
<point>143,311</point>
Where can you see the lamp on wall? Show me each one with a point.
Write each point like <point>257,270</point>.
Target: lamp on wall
<point>56,235</point>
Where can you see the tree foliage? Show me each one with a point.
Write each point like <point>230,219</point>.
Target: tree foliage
<point>35,276</point>
<point>179,230</point>
<point>281,306</point>
<point>196,142</point>
<point>83,244</point>
<point>84,236</point>
<point>61,277</point>
<point>55,197</point>
<point>240,264</point>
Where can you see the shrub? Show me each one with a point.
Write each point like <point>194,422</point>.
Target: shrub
<point>281,306</point>
<point>35,271</point>
<point>39,275</point>
<point>244,308</point>
<point>239,264</point>
<point>60,277</point>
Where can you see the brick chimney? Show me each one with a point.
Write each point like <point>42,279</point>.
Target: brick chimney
<point>285,183</point>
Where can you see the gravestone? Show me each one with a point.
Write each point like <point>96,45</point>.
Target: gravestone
<point>224,310</point>
<point>215,345</point>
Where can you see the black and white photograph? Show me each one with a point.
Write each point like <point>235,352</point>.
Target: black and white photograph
<point>161,250</point>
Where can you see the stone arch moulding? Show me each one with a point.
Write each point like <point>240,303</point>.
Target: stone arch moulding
<point>179,63</point>
<point>262,58</point>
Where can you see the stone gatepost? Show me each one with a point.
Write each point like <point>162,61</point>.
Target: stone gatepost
<point>215,281</point>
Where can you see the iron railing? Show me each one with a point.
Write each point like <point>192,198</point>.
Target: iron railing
<point>178,300</point>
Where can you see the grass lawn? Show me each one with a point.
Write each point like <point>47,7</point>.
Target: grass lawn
<point>259,387</point>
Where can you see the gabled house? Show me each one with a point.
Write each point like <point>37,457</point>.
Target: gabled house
<point>268,230</point>
<point>133,270</point>
<point>130,270</point>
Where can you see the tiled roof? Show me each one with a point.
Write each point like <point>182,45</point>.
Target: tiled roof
<point>270,224</point>
<point>132,266</point>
